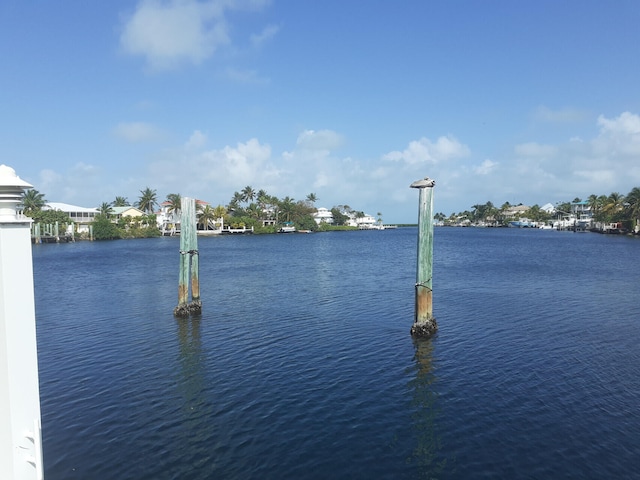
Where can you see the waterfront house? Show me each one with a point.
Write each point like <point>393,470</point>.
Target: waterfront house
<point>549,208</point>
<point>80,216</point>
<point>169,220</point>
<point>362,222</point>
<point>323,215</point>
<point>121,212</point>
<point>515,211</point>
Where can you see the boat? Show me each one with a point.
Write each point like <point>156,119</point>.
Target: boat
<point>521,224</point>
<point>287,227</point>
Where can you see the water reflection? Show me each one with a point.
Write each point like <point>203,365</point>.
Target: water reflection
<point>426,455</point>
<point>191,360</point>
<point>196,410</point>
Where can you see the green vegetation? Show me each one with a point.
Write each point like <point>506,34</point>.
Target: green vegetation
<point>614,208</point>
<point>267,213</point>
<point>32,202</point>
<point>148,200</point>
<point>50,217</point>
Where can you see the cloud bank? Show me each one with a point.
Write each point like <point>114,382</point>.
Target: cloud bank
<point>531,172</point>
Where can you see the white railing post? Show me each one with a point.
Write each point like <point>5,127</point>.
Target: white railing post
<point>20,436</point>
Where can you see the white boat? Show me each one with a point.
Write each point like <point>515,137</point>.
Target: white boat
<point>521,224</point>
<point>287,227</point>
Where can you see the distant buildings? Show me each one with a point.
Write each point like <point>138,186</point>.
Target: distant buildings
<point>323,215</point>
<point>80,216</point>
<point>355,219</point>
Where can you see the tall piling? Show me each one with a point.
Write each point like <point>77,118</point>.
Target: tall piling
<point>20,434</point>
<point>424,324</point>
<point>188,262</point>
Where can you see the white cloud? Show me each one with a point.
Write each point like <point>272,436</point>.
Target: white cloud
<point>323,140</point>
<point>532,172</point>
<point>196,140</point>
<point>426,151</point>
<point>485,167</point>
<point>267,34</point>
<point>136,132</point>
<point>533,149</point>
<point>242,164</point>
<point>245,76</point>
<point>322,180</point>
<point>619,136</point>
<point>626,124</point>
<point>169,33</point>
<point>602,177</point>
<point>48,180</point>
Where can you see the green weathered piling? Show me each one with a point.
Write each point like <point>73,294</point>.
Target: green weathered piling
<point>424,322</point>
<point>188,262</point>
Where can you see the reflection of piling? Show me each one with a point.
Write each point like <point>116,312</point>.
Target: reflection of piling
<point>428,454</point>
<point>188,262</point>
<point>424,323</point>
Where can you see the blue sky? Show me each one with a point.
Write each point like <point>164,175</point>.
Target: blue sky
<point>525,102</point>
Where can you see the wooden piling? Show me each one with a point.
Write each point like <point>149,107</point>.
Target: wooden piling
<point>188,262</point>
<point>424,322</point>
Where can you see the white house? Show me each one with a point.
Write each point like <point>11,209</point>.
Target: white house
<point>81,216</point>
<point>323,215</point>
<point>550,209</point>
<point>169,221</point>
<point>364,222</point>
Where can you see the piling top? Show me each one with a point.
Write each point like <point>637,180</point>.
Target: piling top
<point>11,189</point>
<point>426,182</point>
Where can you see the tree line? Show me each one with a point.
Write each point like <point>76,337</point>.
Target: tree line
<point>248,208</point>
<point>612,208</point>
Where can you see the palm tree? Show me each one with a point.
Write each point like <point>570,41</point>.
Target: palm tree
<point>175,203</point>
<point>32,201</point>
<point>207,216</point>
<point>380,218</point>
<point>234,203</point>
<point>613,206</point>
<point>440,217</point>
<point>633,205</point>
<point>254,211</point>
<point>262,196</point>
<point>312,199</point>
<point>478,212</point>
<point>105,209</point>
<point>120,202</point>
<point>286,207</point>
<point>248,194</point>
<point>220,212</point>
<point>594,204</point>
<point>148,200</point>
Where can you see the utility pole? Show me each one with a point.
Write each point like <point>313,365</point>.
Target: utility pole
<point>424,323</point>
<point>20,421</point>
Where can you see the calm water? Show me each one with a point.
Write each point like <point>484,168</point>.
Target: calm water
<point>302,366</point>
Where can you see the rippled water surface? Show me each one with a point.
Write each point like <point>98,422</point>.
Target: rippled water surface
<point>302,366</point>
